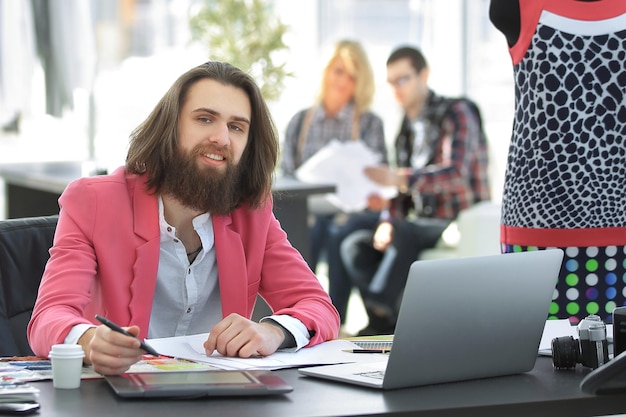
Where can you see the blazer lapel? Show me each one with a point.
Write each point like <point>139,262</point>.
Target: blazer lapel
<point>147,249</point>
<point>231,268</point>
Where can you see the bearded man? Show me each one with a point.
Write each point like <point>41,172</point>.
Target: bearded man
<point>182,239</point>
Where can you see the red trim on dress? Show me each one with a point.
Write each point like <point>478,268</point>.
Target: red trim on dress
<point>600,236</point>
<point>530,12</point>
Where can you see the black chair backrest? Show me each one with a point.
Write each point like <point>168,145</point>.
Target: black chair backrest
<point>24,246</point>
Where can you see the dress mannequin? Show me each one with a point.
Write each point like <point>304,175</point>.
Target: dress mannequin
<point>567,154</point>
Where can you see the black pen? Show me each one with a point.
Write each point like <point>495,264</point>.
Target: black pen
<point>117,328</point>
<point>367,350</point>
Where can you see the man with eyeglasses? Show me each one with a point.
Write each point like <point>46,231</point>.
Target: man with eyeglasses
<point>441,156</point>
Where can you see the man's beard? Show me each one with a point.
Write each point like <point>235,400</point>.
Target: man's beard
<point>203,188</point>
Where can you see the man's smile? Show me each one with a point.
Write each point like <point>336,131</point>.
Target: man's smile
<point>213,156</point>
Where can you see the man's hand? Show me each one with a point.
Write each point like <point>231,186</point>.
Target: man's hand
<point>376,202</point>
<point>383,175</point>
<point>382,236</point>
<point>110,352</point>
<point>238,336</point>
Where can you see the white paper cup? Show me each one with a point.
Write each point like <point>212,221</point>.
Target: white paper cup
<point>67,365</point>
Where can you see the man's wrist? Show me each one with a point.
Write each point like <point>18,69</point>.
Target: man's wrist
<point>402,180</point>
<point>84,341</point>
<point>403,187</point>
<point>289,340</point>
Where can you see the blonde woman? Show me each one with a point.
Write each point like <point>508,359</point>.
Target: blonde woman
<point>341,112</point>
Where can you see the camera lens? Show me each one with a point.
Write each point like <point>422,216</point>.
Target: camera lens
<point>565,352</point>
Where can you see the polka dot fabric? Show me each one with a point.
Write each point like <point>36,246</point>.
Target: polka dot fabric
<point>592,280</point>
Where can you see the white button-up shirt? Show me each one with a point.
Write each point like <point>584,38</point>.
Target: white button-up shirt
<point>187,296</point>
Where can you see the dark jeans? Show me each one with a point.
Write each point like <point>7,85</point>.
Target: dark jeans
<point>339,282</point>
<point>363,263</point>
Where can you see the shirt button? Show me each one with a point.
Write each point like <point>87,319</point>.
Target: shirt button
<point>189,310</point>
<point>169,229</point>
<point>176,240</point>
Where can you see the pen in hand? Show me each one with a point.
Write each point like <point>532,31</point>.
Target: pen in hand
<point>118,329</point>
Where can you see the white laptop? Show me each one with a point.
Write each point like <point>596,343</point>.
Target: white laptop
<point>460,319</point>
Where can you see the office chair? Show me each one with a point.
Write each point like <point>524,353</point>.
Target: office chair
<point>24,245</point>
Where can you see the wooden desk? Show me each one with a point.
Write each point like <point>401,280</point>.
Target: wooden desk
<point>541,392</point>
<point>32,189</point>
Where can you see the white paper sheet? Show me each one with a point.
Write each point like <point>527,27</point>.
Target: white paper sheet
<point>327,353</point>
<point>342,164</point>
<point>552,329</point>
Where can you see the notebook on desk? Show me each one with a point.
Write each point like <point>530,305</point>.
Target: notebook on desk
<point>195,384</point>
<point>460,319</point>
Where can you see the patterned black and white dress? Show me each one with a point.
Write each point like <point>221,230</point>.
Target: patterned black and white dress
<point>565,183</point>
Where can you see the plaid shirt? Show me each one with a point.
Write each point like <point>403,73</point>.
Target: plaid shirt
<point>323,129</point>
<point>456,175</point>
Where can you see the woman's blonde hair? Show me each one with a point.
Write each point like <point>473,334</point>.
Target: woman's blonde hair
<point>355,59</point>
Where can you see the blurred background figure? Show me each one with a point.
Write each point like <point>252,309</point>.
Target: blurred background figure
<point>566,170</point>
<point>442,158</point>
<point>341,112</point>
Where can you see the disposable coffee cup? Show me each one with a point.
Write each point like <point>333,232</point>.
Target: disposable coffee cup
<point>67,365</point>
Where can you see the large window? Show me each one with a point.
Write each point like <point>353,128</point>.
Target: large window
<point>141,47</point>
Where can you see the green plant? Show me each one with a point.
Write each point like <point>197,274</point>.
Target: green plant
<point>247,34</point>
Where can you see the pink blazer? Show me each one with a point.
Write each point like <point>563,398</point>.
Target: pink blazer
<point>106,253</point>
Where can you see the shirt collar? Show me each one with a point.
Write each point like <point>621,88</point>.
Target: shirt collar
<point>201,223</point>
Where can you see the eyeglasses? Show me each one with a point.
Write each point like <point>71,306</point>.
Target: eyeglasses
<point>401,81</point>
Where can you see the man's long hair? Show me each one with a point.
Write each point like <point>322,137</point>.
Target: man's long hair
<point>154,142</point>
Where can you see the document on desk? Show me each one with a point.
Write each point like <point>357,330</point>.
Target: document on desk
<point>327,353</point>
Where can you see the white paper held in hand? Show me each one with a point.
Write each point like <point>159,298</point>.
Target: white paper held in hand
<point>343,164</point>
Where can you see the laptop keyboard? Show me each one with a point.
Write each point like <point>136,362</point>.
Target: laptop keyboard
<point>373,344</point>
<point>372,374</point>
